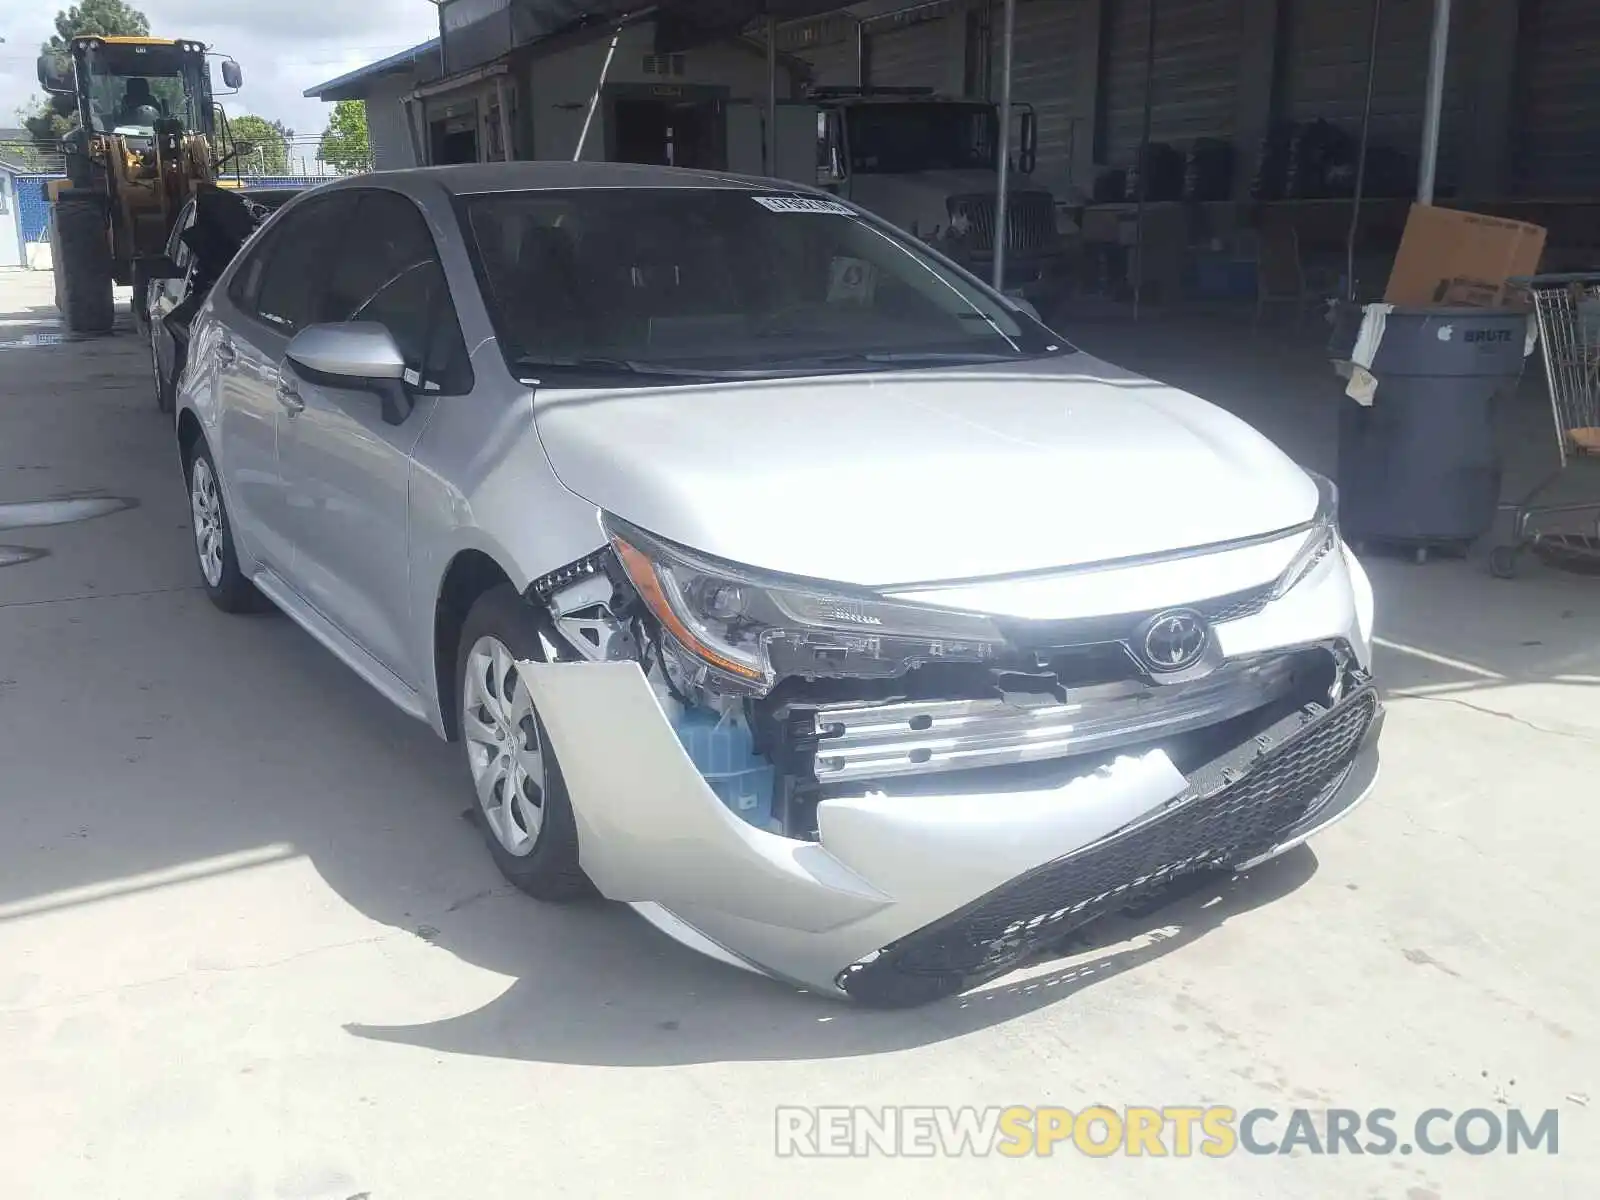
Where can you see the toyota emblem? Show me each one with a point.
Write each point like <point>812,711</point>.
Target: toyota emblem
<point>1174,640</point>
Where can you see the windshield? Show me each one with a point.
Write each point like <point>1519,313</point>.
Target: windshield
<point>130,87</point>
<point>900,138</point>
<point>715,280</point>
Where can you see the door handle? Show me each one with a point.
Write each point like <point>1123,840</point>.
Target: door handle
<point>289,396</point>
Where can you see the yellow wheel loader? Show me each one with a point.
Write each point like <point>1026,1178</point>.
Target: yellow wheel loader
<point>144,140</point>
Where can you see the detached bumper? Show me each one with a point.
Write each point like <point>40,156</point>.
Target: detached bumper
<point>904,899</point>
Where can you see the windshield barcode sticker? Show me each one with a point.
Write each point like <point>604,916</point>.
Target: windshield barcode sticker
<point>803,204</point>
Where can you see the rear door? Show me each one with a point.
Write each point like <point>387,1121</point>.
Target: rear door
<point>346,471</point>
<point>165,294</point>
<point>269,300</point>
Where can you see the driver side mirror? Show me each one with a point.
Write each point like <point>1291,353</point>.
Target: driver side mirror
<point>55,74</point>
<point>360,356</point>
<point>1028,151</point>
<point>232,76</point>
<point>830,145</point>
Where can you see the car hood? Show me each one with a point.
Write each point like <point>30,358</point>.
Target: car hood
<point>920,476</point>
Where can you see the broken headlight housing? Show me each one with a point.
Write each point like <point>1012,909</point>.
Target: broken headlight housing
<point>1322,539</point>
<point>730,629</point>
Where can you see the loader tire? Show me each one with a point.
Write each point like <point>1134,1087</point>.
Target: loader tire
<point>83,267</point>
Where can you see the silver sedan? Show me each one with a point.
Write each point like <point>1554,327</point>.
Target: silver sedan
<point>776,576</point>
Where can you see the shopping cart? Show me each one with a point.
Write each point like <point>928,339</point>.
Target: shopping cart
<point>1568,310</point>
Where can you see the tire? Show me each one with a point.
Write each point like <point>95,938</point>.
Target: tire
<point>225,584</point>
<point>83,267</point>
<point>534,842</point>
<point>166,390</point>
<point>139,302</point>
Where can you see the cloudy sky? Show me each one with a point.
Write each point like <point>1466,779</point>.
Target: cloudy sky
<point>284,46</point>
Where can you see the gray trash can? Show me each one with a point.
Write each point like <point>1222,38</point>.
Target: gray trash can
<point>1420,469</point>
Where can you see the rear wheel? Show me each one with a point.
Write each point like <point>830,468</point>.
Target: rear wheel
<point>522,798</point>
<point>165,387</point>
<point>83,267</point>
<point>139,304</point>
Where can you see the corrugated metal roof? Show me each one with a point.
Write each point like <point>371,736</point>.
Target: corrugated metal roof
<point>679,21</point>
<point>349,86</point>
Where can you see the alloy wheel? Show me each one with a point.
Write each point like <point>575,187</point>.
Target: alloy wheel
<point>505,749</point>
<point>206,505</point>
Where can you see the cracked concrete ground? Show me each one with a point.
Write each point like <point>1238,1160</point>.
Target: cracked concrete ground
<point>250,948</point>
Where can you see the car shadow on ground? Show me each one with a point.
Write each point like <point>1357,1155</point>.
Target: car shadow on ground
<point>609,991</point>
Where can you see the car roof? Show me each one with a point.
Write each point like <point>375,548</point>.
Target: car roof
<point>547,175</point>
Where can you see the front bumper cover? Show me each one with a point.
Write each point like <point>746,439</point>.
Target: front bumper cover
<point>1244,807</point>
<point>901,898</point>
<point>898,902</point>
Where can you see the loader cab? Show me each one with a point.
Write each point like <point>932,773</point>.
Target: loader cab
<point>127,86</point>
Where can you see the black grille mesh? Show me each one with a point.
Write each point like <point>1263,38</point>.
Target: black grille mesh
<point>1235,808</point>
<point>1030,220</point>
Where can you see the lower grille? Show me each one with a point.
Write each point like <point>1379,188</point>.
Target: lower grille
<point>1236,807</point>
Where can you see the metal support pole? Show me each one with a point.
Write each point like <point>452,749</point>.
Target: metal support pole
<point>1003,181</point>
<point>1361,163</point>
<point>1144,158</point>
<point>594,100</point>
<point>503,102</point>
<point>770,146</point>
<point>1438,57</point>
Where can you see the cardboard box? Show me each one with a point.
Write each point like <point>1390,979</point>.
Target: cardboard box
<point>1450,257</point>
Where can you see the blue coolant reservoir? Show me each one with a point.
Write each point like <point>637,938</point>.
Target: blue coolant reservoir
<point>722,750</point>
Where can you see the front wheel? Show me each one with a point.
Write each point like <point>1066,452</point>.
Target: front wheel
<point>522,798</point>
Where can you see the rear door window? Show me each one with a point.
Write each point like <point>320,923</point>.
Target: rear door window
<point>177,248</point>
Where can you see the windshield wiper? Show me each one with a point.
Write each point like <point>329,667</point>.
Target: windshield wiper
<point>621,366</point>
<point>895,358</point>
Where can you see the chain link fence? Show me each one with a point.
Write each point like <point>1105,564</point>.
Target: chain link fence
<point>32,208</point>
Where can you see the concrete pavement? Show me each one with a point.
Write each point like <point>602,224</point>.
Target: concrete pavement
<point>249,947</point>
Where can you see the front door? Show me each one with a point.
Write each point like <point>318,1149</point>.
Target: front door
<point>346,471</point>
<point>268,300</point>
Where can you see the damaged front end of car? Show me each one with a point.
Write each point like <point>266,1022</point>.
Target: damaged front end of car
<point>893,801</point>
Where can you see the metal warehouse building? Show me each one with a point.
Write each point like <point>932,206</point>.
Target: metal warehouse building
<point>1519,125</point>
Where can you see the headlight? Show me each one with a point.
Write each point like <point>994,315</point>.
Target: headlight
<point>1321,540</point>
<point>735,630</point>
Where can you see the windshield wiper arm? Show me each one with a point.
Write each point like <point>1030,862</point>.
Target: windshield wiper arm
<point>893,357</point>
<point>622,366</point>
